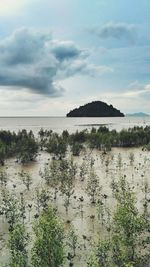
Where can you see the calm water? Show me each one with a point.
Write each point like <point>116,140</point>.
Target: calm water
<point>59,124</point>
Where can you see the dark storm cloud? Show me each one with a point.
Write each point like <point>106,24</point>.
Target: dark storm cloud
<point>65,50</point>
<point>116,31</point>
<point>35,61</point>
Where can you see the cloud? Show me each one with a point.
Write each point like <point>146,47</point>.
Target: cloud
<point>82,67</point>
<point>115,31</point>
<point>127,100</point>
<point>34,60</point>
<point>140,91</point>
<point>66,49</point>
<point>134,90</point>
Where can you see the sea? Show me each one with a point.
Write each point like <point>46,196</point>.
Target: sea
<point>58,124</point>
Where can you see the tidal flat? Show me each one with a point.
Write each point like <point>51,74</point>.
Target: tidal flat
<point>90,220</point>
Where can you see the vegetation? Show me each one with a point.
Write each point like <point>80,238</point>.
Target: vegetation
<point>101,139</point>
<point>26,179</point>
<point>129,243</point>
<point>92,185</point>
<point>115,227</point>
<point>24,146</point>
<point>56,145</point>
<point>67,180</point>
<point>18,241</point>
<point>48,248</point>
<point>95,109</point>
<point>21,145</point>
<point>52,175</point>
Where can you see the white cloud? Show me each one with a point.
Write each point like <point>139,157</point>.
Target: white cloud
<point>135,99</point>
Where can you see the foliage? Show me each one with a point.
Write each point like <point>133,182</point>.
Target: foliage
<point>83,170</point>
<point>56,145</point>
<point>92,185</point>
<point>2,153</point>
<point>131,158</point>
<point>76,149</point>
<point>10,208</point>
<point>131,230</point>
<point>48,248</point>
<point>42,199</point>
<point>51,174</point>
<point>27,147</point>
<point>26,179</point>
<point>22,145</point>
<point>72,241</point>
<point>67,178</point>
<point>3,177</point>
<point>130,241</point>
<point>100,256</point>
<point>18,241</point>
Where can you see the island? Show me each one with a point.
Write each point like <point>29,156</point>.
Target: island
<point>139,114</point>
<point>95,109</point>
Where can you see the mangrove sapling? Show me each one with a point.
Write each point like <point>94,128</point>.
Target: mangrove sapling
<point>42,199</point>
<point>57,146</point>
<point>2,153</point>
<point>26,179</point>
<point>107,162</point>
<point>92,161</point>
<point>81,199</point>
<point>146,191</point>
<point>72,168</point>
<point>130,229</point>
<point>129,240</point>
<point>100,211</point>
<point>68,174</point>
<point>10,208</point>
<point>92,218</point>
<point>41,133</point>
<point>22,207</point>
<point>27,147</point>
<point>72,242</point>
<point>120,188</point>
<point>67,189</point>
<point>131,158</point>
<point>107,145</point>
<point>29,207</point>
<point>83,171</point>
<point>42,138</point>
<point>100,206</point>
<point>3,177</point>
<point>102,158</point>
<point>108,218</point>
<point>48,247</point>
<point>119,161</point>
<point>18,242</point>
<point>51,174</point>
<point>100,255</point>
<point>65,135</point>
<point>76,148</point>
<point>92,185</point>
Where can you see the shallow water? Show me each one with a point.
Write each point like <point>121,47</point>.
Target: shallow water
<point>59,124</point>
<point>83,223</point>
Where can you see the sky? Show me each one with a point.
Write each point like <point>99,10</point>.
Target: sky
<point>56,55</point>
